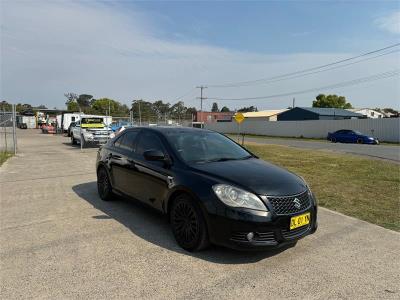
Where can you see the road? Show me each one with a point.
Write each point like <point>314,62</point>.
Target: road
<point>388,152</point>
<point>59,240</point>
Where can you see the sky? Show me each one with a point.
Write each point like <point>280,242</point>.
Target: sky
<point>162,50</point>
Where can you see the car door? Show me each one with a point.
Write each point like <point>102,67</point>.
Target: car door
<point>120,160</point>
<point>150,179</point>
<point>352,137</point>
<point>342,136</point>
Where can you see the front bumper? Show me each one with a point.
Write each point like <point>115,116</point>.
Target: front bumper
<point>270,231</point>
<point>97,139</point>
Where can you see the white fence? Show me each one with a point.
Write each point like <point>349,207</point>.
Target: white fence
<point>386,130</point>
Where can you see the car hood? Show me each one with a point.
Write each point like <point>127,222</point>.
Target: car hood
<point>254,175</point>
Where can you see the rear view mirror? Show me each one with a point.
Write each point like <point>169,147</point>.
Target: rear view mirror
<point>154,155</point>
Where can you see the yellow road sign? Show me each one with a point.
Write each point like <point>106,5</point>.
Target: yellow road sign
<point>239,118</point>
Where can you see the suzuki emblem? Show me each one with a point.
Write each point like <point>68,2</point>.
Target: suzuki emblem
<point>297,203</point>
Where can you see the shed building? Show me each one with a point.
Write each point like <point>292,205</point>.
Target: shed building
<point>317,113</point>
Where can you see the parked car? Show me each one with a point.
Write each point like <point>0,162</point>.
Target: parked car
<point>22,126</point>
<point>48,129</point>
<point>351,136</point>
<point>118,125</point>
<point>90,130</point>
<point>212,189</point>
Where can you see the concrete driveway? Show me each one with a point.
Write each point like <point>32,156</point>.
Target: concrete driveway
<point>59,240</point>
<point>387,152</point>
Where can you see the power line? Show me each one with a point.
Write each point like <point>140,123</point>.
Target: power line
<point>186,94</point>
<point>329,69</point>
<point>333,86</point>
<point>258,81</point>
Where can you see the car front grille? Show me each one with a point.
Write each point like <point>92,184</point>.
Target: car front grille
<point>294,233</point>
<point>268,236</point>
<point>286,205</point>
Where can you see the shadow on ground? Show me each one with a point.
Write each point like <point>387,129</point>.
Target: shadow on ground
<point>78,146</point>
<point>153,227</point>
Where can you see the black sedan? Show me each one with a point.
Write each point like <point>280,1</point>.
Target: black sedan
<point>212,189</point>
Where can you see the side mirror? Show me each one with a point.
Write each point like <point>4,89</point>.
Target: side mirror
<point>154,155</point>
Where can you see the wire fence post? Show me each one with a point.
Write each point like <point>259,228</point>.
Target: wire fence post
<point>14,116</point>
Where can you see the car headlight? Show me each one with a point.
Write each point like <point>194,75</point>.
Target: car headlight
<point>235,197</point>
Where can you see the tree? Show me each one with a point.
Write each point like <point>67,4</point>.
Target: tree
<point>23,107</point>
<point>72,104</point>
<point>5,106</point>
<point>112,107</point>
<point>84,101</point>
<point>248,109</point>
<point>225,109</point>
<point>143,110</point>
<point>160,109</point>
<point>178,111</point>
<point>333,101</point>
<point>41,106</point>
<point>215,107</point>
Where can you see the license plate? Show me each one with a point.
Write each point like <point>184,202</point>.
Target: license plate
<point>299,221</point>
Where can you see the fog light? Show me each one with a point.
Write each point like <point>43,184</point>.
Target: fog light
<point>250,236</point>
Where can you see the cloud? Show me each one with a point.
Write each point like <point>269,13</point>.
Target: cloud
<point>390,23</point>
<point>113,50</point>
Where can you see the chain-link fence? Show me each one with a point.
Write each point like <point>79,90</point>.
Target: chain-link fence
<point>8,134</point>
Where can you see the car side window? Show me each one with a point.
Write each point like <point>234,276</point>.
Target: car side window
<point>149,141</point>
<point>128,142</point>
<point>118,141</point>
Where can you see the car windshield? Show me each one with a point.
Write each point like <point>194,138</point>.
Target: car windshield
<point>202,147</point>
<point>358,133</point>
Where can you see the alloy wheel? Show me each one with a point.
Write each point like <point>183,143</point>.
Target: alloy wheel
<point>185,223</point>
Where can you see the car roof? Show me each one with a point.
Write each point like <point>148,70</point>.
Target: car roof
<point>169,129</point>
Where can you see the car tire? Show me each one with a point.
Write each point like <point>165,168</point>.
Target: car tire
<point>359,141</point>
<point>73,141</point>
<point>188,224</point>
<point>333,140</point>
<point>104,187</point>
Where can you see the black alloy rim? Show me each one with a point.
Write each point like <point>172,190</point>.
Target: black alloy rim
<point>103,183</point>
<point>185,223</point>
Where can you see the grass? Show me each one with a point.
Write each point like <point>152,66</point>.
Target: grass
<point>4,156</point>
<point>234,137</point>
<point>363,188</point>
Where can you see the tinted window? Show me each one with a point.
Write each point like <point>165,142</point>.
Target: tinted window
<point>205,146</point>
<point>149,141</point>
<point>118,141</point>
<point>126,141</point>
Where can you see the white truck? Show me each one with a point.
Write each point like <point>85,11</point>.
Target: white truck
<point>90,130</point>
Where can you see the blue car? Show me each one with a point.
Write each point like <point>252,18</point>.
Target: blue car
<point>117,126</point>
<point>351,136</point>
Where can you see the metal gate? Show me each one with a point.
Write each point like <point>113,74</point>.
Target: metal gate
<point>8,133</point>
